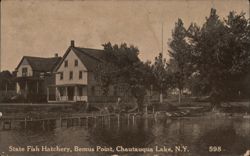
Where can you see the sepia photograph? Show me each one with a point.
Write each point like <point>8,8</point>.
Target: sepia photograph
<point>125,78</point>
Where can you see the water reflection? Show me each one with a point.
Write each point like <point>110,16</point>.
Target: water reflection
<point>233,135</point>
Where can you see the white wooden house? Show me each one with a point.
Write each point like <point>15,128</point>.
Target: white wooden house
<point>75,79</point>
<point>33,75</point>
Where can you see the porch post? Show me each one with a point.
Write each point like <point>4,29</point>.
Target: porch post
<point>66,93</point>
<point>17,88</point>
<point>76,93</point>
<point>57,94</point>
<point>26,86</point>
<point>37,85</point>
<point>6,88</point>
<point>85,92</point>
<point>48,94</point>
<point>26,89</point>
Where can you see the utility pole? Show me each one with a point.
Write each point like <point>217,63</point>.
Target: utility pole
<point>213,4</point>
<point>162,38</point>
<point>161,93</point>
<point>0,37</point>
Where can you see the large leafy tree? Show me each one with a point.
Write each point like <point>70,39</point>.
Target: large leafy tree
<point>221,53</point>
<point>123,68</point>
<point>6,81</point>
<point>238,51</point>
<point>104,73</point>
<point>139,82</point>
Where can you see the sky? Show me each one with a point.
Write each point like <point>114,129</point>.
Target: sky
<point>45,27</point>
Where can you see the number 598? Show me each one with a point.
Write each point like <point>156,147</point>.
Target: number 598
<point>215,149</point>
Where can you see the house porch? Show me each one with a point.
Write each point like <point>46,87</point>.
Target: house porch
<point>30,88</point>
<point>67,93</point>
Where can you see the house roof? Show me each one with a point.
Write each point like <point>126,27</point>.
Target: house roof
<point>89,57</point>
<point>41,64</point>
<point>95,53</point>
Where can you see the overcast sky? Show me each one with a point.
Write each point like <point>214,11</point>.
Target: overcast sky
<point>45,27</point>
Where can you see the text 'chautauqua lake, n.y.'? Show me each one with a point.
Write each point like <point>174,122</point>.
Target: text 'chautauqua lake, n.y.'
<point>161,149</point>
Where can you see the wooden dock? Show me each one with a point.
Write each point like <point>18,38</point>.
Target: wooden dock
<point>62,121</point>
<point>83,119</point>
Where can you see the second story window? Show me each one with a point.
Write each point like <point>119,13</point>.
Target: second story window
<point>25,71</point>
<point>76,63</point>
<point>71,75</point>
<point>80,74</point>
<point>61,76</point>
<point>42,75</point>
<point>66,63</point>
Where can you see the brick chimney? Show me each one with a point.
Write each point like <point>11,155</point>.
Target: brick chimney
<point>72,43</point>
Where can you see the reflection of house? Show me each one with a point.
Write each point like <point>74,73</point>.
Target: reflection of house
<point>74,76</point>
<point>33,75</point>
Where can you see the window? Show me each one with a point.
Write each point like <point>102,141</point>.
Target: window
<point>76,63</point>
<point>25,71</point>
<point>66,63</point>
<point>80,74</point>
<point>71,75</point>
<point>93,90</point>
<point>42,75</point>
<point>61,76</point>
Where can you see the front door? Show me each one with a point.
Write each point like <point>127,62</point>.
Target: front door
<point>70,93</point>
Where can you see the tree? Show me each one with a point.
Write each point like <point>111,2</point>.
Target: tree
<point>238,52</point>
<point>162,75</point>
<point>122,67</point>
<point>104,73</point>
<point>220,52</point>
<point>6,81</point>
<point>139,82</point>
<point>180,56</point>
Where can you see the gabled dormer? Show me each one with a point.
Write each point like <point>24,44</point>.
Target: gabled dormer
<point>35,66</point>
<point>24,68</point>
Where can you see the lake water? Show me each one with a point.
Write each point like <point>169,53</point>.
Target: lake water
<point>203,136</point>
